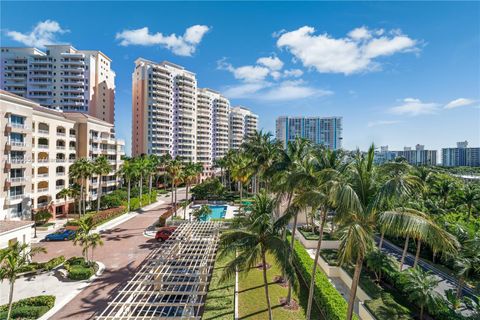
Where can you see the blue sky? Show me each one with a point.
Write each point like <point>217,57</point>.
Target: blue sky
<point>398,73</point>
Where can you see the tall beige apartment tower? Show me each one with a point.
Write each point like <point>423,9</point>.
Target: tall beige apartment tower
<point>62,78</point>
<point>164,109</point>
<point>243,124</point>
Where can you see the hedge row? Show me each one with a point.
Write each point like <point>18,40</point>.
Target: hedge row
<point>29,308</point>
<point>49,265</point>
<point>330,302</point>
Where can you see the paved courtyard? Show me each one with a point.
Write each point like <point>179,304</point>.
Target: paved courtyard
<point>124,250</point>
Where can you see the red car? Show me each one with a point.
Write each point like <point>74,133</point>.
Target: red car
<point>164,233</point>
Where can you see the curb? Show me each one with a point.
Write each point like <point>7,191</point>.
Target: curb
<point>72,295</point>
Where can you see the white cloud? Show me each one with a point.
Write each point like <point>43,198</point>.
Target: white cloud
<point>292,90</point>
<point>44,33</point>
<point>244,90</point>
<point>180,45</point>
<point>245,73</point>
<point>414,107</point>
<point>295,73</point>
<point>460,102</point>
<point>272,63</point>
<point>352,54</point>
<point>382,123</point>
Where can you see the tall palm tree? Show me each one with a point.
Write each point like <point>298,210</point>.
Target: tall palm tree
<point>190,175</point>
<point>174,169</point>
<point>65,193</point>
<point>241,172</point>
<point>101,167</point>
<point>378,262</point>
<point>130,172</point>
<point>421,289</point>
<point>83,235</point>
<point>469,197</point>
<point>94,241</point>
<point>12,260</point>
<point>261,234</point>
<point>142,164</point>
<point>152,167</point>
<point>81,170</point>
<point>443,187</point>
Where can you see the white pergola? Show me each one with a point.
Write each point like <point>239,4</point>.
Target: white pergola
<point>173,282</point>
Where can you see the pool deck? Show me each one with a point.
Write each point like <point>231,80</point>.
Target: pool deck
<point>231,210</point>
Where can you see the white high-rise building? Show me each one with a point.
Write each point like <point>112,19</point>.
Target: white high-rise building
<point>61,78</point>
<point>171,115</point>
<point>164,107</point>
<point>243,124</point>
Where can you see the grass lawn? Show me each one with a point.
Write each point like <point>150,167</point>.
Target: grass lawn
<point>252,303</point>
<point>220,298</point>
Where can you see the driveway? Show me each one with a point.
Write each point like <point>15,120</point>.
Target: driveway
<point>124,250</point>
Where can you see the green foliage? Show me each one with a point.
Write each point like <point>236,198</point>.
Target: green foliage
<point>209,189</point>
<point>37,266</point>
<point>29,308</point>
<point>330,256</point>
<point>331,303</point>
<point>42,216</point>
<point>386,308</point>
<point>202,212</point>
<point>78,268</point>
<point>52,263</point>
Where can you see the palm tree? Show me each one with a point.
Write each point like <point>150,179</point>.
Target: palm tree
<point>174,169</point>
<point>379,262</point>
<point>190,175</point>
<point>81,169</point>
<point>129,171</point>
<point>421,289</point>
<point>101,167</point>
<point>469,196</point>
<point>12,260</point>
<point>241,172</point>
<point>443,187</point>
<point>82,236</point>
<point>142,164</point>
<point>65,193</point>
<point>152,167</point>
<point>74,190</point>
<point>261,235</point>
<point>94,240</point>
<point>464,266</point>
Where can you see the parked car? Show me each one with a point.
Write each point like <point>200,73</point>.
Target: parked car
<point>164,233</point>
<point>61,235</point>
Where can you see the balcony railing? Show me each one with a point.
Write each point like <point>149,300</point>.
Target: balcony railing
<point>42,175</point>
<point>71,160</point>
<point>18,160</point>
<point>61,134</point>
<point>17,179</point>
<point>42,204</point>
<point>42,190</point>
<point>59,187</point>
<point>17,196</point>
<point>60,160</point>
<point>72,136</point>
<point>43,131</point>
<point>72,148</point>
<point>60,173</point>
<point>18,125</point>
<point>18,143</point>
<point>42,146</point>
<point>43,160</point>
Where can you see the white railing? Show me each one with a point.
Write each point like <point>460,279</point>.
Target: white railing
<point>16,196</point>
<point>71,160</point>
<point>59,187</point>
<point>18,125</point>
<point>72,136</point>
<point>72,148</point>
<point>43,160</point>
<point>60,160</point>
<point>42,190</point>
<point>42,146</point>
<point>61,134</point>
<point>42,204</point>
<point>18,160</point>
<point>18,143</point>
<point>61,147</point>
<point>60,173</point>
<point>43,131</point>
<point>17,179</point>
<point>42,175</point>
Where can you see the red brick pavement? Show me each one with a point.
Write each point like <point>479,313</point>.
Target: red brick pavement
<point>124,249</point>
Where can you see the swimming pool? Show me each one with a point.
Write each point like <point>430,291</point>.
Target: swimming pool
<point>218,212</point>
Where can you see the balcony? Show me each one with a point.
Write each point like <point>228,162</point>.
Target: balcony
<point>15,143</point>
<point>42,190</point>
<point>60,174</point>
<point>60,160</point>
<point>16,197</point>
<point>17,179</point>
<point>42,175</point>
<point>42,204</point>
<point>71,160</point>
<point>72,148</point>
<point>43,160</point>
<point>42,146</point>
<point>59,187</point>
<point>72,136</point>
<point>41,131</point>
<point>17,125</point>
<point>61,134</point>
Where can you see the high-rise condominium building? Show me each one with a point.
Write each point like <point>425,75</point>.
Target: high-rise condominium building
<point>326,131</point>
<point>164,108</point>
<point>37,147</point>
<point>62,78</point>
<point>243,124</point>
<point>461,156</point>
<point>172,115</point>
<point>417,157</point>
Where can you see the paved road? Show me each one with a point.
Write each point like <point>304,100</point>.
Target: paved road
<point>446,280</point>
<point>124,250</point>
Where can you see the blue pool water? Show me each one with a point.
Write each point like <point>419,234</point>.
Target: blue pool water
<point>217,212</point>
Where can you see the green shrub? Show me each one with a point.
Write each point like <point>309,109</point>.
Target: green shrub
<point>209,189</point>
<point>75,261</point>
<point>330,302</point>
<point>78,272</point>
<point>52,263</point>
<point>42,216</point>
<point>30,267</point>
<point>29,308</point>
<point>330,256</point>
<point>386,308</point>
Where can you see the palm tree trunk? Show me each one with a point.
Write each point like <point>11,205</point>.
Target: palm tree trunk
<point>175,203</point>
<point>380,244</point>
<point>186,198</point>
<point>99,193</point>
<point>128,197</point>
<point>294,229</point>
<point>265,282</point>
<point>417,255</point>
<point>353,289</point>
<point>80,202</point>
<point>10,299</point>
<point>240,187</point>
<point>315,263</point>
<point>460,287</point>
<point>404,253</point>
<point>421,312</point>
<point>150,189</point>
<point>141,185</point>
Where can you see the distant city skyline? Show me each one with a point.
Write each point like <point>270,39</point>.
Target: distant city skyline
<point>397,73</point>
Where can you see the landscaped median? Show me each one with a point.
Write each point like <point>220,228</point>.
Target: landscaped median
<point>331,304</point>
<point>29,308</point>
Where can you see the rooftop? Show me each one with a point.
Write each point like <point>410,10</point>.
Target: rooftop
<point>11,225</point>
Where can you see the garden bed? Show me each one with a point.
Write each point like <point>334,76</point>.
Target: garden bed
<point>38,267</point>
<point>29,308</point>
<point>79,269</point>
